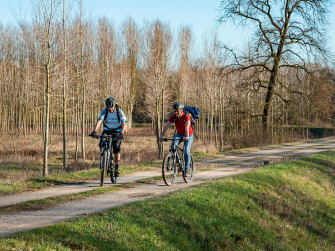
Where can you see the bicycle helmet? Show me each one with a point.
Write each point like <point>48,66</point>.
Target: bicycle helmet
<point>178,106</point>
<point>110,102</point>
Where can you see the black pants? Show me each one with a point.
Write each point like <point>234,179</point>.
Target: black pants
<point>116,143</point>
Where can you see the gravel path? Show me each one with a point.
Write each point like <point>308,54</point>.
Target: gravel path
<point>9,200</point>
<point>23,221</point>
<point>229,165</point>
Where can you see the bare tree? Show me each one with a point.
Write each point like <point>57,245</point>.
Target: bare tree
<point>157,59</point>
<point>185,41</point>
<point>106,51</point>
<point>286,33</point>
<point>132,44</point>
<point>42,41</point>
<point>82,62</point>
<point>64,89</point>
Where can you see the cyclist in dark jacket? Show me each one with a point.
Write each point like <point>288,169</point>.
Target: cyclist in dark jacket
<point>114,122</point>
<point>182,122</point>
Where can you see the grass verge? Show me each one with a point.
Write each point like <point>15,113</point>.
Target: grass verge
<point>288,206</point>
<point>80,176</point>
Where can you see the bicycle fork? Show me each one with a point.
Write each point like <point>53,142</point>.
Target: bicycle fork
<point>102,158</point>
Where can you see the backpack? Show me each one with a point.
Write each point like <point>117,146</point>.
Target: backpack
<point>194,113</point>
<point>117,107</point>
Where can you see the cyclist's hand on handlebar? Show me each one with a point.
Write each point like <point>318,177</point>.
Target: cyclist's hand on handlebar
<point>93,134</point>
<point>121,136</point>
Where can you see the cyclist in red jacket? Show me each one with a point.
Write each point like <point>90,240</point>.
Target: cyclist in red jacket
<point>182,122</point>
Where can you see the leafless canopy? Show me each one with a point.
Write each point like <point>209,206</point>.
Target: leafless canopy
<point>286,35</point>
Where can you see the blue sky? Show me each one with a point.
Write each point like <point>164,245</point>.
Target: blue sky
<point>200,14</point>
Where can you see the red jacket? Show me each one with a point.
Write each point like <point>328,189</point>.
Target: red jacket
<point>181,123</point>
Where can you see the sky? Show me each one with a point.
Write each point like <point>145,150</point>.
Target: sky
<point>201,15</point>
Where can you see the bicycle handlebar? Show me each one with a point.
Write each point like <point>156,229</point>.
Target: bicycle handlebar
<point>167,139</point>
<point>111,136</point>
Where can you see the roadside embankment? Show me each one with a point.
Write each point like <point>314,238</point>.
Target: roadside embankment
<point>284,206</point>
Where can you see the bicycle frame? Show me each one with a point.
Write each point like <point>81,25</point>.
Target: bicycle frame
<point>106,146</point>
<point>176,147</point>
<point>177,152</point>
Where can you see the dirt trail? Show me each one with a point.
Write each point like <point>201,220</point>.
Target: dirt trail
<point>9,200</point>
<point>228,166</point>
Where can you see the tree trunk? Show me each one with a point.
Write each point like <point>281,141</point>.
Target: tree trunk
<point>46,125</point>
<point>83,114</point>
<point>77,134</point>
<point>161,126</point>
<point>157,126</point>
<point>64,94</point>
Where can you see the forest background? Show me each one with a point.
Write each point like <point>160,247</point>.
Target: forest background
<point>57,70</point>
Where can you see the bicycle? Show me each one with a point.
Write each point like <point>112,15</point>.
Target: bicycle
<point>174,163</point>
<point>106,157</point>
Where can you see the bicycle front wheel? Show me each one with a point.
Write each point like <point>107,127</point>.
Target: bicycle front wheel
<point>112,173</point>
<point>169,169</point>
<point>191,170</point>
<point>103,164</point>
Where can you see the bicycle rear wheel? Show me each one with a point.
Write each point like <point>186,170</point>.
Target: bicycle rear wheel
<point>191,170</point>
<point>169,169</point>
<point>103,164</point>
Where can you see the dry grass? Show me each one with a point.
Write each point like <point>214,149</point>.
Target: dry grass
<point>21,157</point>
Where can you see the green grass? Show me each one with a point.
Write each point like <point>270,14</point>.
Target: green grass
<point>201,156</point>
<point>287,206</point>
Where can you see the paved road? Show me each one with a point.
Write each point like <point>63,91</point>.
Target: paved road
<point>222,167</point>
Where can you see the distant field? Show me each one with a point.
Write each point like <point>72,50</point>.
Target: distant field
<point>289,206</point>
<point>21,158</point>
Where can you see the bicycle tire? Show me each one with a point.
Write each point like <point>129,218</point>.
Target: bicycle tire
<point>191,171</point>
<point>169,169</point>
<point>103,164</point>
<point>112,172</point>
